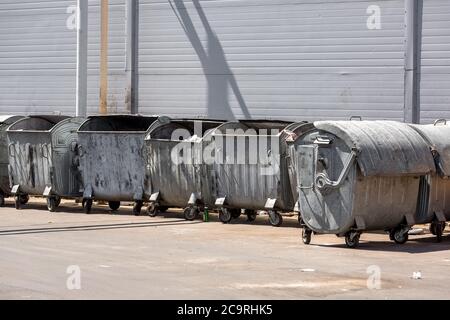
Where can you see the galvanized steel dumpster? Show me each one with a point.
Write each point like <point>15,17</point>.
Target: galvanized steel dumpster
<point>434,191</point>
<point>111,159</point>
<point>176,175</point>
<point>5,188</point>
<point>356,176</point>
<point>251,170</point>
<point>43,160</point>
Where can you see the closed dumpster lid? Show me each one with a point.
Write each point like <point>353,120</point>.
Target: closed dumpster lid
<point>9,119</point>
<point>438,138</point>
<point>249,126</point>
<point>37,123</point>
<point>384,147</point>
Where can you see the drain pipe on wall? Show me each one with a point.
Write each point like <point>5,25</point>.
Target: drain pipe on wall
<point>82,58</point>
<point>413,56</point>
<point>104,36</point>
<point>132,56</point>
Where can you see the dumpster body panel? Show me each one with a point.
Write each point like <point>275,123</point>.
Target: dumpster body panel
<point>112,164</point>
<point>351,178</point>
<point>42,155</point>
<point>175,169</point>
<point>434,194</point>
<point>251,169</point>
<point>5,122</point>
<point>111,157</point>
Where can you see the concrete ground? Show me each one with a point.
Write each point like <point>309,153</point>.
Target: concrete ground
<point>125,257</point>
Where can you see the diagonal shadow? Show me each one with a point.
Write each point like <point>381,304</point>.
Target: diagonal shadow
<point>95,227</point>
<point>219,76</point>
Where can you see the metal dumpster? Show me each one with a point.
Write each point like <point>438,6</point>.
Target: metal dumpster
<point>5,188</point>
<point>42,159</point>
<point>357,176</point>
<point>175,171</point>
<point>434,191</point>
<point>250,172</point>
<point>111,159</point>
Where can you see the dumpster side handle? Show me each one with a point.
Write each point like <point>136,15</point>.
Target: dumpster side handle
<point>323,182</point>
<point>10,147</point>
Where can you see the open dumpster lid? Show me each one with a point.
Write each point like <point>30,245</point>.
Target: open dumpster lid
<point>197,129</point>
<point>37,123</point>
<point>384,147</point>
<point>438,138</point>
<point>9,119</point>
<point>118,123</point>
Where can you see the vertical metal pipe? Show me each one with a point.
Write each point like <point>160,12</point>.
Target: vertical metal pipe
<point>82,57</point>
<point>413,56</point>
<point>132,55</point>
<point>104,56</point>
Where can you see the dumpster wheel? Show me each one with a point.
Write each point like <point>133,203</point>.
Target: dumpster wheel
<point>114,205</point>
<point>2,200</point>
<point>53,203</point>
<point>18,202</point>
<point>225,215</point>
<point>153,210</point>
<point>306,235</point>
<point>137,208</point>
<point>352,239</point>
<point>275,218</point>
<point>251,215</point>
<point>87,205</point>
<point>24,198</point>
<point>437,229</point>
<point>191,213</point>
<point>399,235</point>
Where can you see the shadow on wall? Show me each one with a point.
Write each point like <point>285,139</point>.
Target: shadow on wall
<point>220,78</point>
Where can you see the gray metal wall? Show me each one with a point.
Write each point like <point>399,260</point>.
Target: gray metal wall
<point>271,58</point>
<point>435,84</point>
<point>286,59</point>
<point>38,57</point>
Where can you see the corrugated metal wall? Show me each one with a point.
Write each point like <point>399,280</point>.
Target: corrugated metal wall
<point>286,59</point>
<point>435,84</point>
<point>38,56</point>
<point>269,58</point>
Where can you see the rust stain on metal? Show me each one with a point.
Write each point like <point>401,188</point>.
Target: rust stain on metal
<point>104,57</point>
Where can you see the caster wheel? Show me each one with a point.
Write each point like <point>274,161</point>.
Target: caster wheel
<point>53,203</point>
<point>275,219</point>
<point>225,215</point>
<point>306,236</point>
<point>17,203</point>
<point>2,200</point>
<point>251,215</point>
<point>399,236</point>
<point>190,214</point>
<point>137,208</point>
<point>437,229</point>
<point>352,239</point>
<point>87,205</point>
<point>114,205</point>
<point>24,199</point>
<point>152,210</point>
